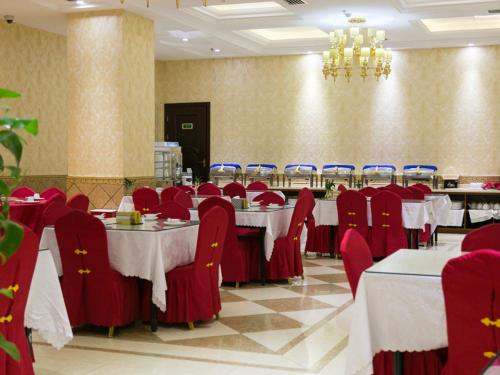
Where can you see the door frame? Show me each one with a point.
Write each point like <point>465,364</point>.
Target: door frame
<point>173,134</point>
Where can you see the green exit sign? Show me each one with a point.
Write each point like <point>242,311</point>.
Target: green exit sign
<point>187,126</point>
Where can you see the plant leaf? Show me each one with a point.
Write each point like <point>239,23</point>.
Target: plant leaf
<point>10,348</point>
<point>28,124</point>
<point>11,142</point>
<point>1,164</point>
<point>12,237</point>
<point>15,172</point>
<point>6,292</point>
<point>4,188</point>
<point>4,93</point>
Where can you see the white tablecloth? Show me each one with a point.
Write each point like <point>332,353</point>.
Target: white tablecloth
<point>127,204</point>
<point>415,214</point>
<point>477,216</point>
<point>145,254</point>
<point>455,218</point>
<point>251,194</point>
<point>441,207</point>
<point>45,310</point>
<point>395,313</point>
<point>275,222</point>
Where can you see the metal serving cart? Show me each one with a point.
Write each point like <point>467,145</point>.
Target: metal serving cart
<point>305,173</point>
<point>420,173</point>
<point>228,172</point>
<point>261,172</point>
<point>168,162</point>
<point>337,172</point>
<point>378,173</point>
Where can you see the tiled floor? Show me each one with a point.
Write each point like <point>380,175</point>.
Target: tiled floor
<point>280,329</point>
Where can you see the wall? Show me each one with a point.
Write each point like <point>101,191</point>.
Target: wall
<point>440,106</point>
<point>33,62</point>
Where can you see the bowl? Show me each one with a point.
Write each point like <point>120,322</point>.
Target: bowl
<point>273,205</point>
<point>254,204</point>
<point>150,217</point>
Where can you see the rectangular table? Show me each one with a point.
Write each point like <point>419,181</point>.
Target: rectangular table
<point>399,307</point>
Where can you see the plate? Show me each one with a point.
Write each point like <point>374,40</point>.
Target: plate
<point>175,222</point>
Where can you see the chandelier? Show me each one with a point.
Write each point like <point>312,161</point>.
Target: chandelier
<point>177,3</point>
<point>348,51</point>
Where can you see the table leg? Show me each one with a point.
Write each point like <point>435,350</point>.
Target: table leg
<point>263,256</point>
<point>398,363</point>
<point>409,238</point>
<point>153,318</point>
<point>416,239</point>
<point>332,244</point>
<point>29,337</point>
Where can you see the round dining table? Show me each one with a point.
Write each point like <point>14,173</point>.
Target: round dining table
<point>27,213</point>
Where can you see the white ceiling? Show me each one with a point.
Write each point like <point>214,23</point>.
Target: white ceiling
<point>214,28</point>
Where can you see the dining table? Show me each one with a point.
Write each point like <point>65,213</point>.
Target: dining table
<point>148,251</point>
<point>27,212</point>
<point>399,307</point>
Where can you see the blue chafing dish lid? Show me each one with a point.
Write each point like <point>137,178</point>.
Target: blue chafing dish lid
<point>313,167</point>
<point>346,166</point>
<point>368,166</point>
<point>262,165</point>
<point>213,166</point>
<point>433,167</point>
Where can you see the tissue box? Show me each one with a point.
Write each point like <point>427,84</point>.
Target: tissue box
<point>239,203</point>
<point>128,218</point>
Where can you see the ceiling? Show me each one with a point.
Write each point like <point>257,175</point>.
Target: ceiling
<point>275,27</point>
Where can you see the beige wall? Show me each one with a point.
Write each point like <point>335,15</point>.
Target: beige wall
<point>440,106</point>
<point>33,62</point>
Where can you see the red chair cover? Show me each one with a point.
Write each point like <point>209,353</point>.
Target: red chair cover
<point>426,189</point>
<point>93,292</point>
<point>356,256</point>
<point>53,212</point>
<point>352,212</point>
<point>388,234</point>
<point>308,195</point>
<point>418,193</point>
<point>28,213</point>
<point>235,189</point>
<point>168,194</point>
<point>184,199</point>
<point>471,287</point>
<point>16,275</point>
<point>171,210</point>
<point>341,188</point>
<point>187,189</point>
<point>50,192</point>
<point>79,202</point>
<point>486,237</point>
<point>235,263</point>
<point>399,190</point>
<point>257,186</point>
<point>145,199</point>
<point>22,192</point>
<point>208,189</point>
<point>268,197</point>
<point>368,191</point>
<point>192,290</point>
<point>286,261</point>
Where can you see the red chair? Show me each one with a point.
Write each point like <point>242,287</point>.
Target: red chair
<point>208,189</point>
<point>369,191</point>
<point>16,275</point>
<point>471,287</point>
<point>426,189</point>
<point>53,212</point>
<point>341,188</point>
<point>318,237</point>
<point>193,292</point>
<point>356,256</point>
<point>235,263</point>
<point>257,186</point>
<point>187,189</point>
<point>168,194</point>
<point>486,237</point>
<point>235,189</point>
<point>268,197</point>
<point>171,210</point>
<point>418,193</point>
<point>145,199</point>
<point>22,192</point>
<point>388,234</point>
<point>79,202</point>
<point>94,293</point>
<point>51,192</point>
<point>399,190</point>
<point>283,259</point>
<point>184,199</point>
<point>352,213</point>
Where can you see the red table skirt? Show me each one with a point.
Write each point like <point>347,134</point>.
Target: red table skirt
<point>28,213</point>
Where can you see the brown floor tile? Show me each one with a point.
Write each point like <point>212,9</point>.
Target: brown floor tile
<point>334,278</point>
<point>306,263</point>
<point>341,268</point>
<point>293,304</point>
<point>259,323</point>
<point>229,297</point>
<point>317,290</point>
<point>228,342</point>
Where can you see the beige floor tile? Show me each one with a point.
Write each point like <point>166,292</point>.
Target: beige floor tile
<point>259,323</point>
<point>275,340</point>
<point>265,293</point>
<point>327,261</point>
<point>309,317</point>
<point>308,280</point>
<point>243,308</point>
<point>344,285</point>
<point>336,278</point>
<point>293,304</point>
<point>229,342</point>
<point>316,290</point>
<point>208,329</point>
<point>227,296</point>
<point>334,299</point>
<point>320,270</point>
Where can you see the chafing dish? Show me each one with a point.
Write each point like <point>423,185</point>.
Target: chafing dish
<point>378,173</point>
<point>420,173</point>
<point>303,172</point>
<point>261,172</point>
<point>230,171</point>
<point>338,172</point>
<point>168,162</point>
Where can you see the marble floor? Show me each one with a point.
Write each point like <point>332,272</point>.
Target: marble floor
<point>278,329</point>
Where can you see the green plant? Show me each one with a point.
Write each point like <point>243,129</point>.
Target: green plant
<point>128,184</point>
<point>11,233</point>
<point>329,185</point>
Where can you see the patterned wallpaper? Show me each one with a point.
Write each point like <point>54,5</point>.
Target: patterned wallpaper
<point>111,94</point>
<point>440,106</point>
<point>33,62</point>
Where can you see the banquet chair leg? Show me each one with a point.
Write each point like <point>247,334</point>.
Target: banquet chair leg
<point>290,281</point>
<point>237,285</point>
<point>217,317</point>
<point>111,332</point>
<point>190,326</point>
<point>302,276</point>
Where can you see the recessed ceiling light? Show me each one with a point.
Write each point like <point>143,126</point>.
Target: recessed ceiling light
<point>471,44</point>
<point>461,23</point>
<point>289,33</point>
<point>215,50</point>
<point>185,39</point>
<point>309,52</point>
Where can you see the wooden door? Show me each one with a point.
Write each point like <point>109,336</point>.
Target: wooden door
<point>189,124</point>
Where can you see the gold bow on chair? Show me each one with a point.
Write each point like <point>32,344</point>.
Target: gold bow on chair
<point>386,214</point>
<point>210,264</point>
<point>13,288</point>
<point>488,322</point>
<point>386,226</point>
<point>7,318</point>
<point>81,272</point>
<point>82,252</point>
<point>215,244</point>
<point>489,355</point>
